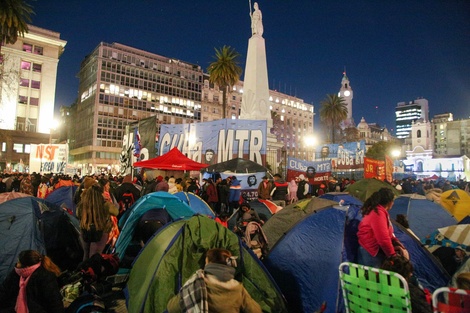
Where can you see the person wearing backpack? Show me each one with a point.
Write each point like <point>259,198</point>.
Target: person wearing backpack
<point>303,187</point>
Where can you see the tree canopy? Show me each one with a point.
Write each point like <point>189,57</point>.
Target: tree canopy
<point>14,16</point>
<point>379,149</point>
<point>333,110</point>
<point>225,71</point>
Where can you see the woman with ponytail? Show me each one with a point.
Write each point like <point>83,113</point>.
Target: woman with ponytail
<point>214,288</point>
<point>32,286</point>
<point>375,234</point>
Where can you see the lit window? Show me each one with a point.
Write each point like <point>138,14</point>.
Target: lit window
<point>37,67</point>
<point>34,101</point>
<point>27,47</point>
<point>25,65</point>
<point>23,99</point>
<point>24,82</point>
<point>27,148</point>
<point>18,147</point>
<point>4,146</point>
<point>38,50</point>
<point>35,84</point>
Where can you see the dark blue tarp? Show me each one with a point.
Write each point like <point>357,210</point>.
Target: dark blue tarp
<point>424,216</point>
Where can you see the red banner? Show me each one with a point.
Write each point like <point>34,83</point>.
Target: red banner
<point>374,169</point>
<point>388,168</point>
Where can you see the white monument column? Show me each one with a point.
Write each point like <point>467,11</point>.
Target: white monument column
<point>255,99</point>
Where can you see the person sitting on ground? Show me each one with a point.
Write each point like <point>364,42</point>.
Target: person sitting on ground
<point>246,214</point>
<point>402,266</point>
<point>215,288</point>
<point>222,219</point>
<point>32,285</point>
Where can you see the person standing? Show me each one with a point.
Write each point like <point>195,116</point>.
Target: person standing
<point>94,213</point>
<point>234,194</point>
<point>32,285</point>
<point>375,233</point>
<point>264,189</point>
<point>212,196</point>
<point>280,190</point>
<point>302,187</point>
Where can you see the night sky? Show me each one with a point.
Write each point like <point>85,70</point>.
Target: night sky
<point>392,51</point>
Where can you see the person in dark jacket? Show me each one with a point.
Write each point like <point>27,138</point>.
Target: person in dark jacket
<point>402,266</point>
<point>32,286</point>
<point>280,190</point>
<point>234,194</point>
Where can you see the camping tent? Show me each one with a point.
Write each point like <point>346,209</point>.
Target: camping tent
<point>264,208</point>
<point>173,160</point>
<point>237,165</point>
<point>63,197</point>
<point>34,224</point>
<point>195,202</point>
<point>178,250</point>
<point>313,242</point>
<point>455,236</point>
<point>155,200</point>
<point>6,196</point>
<point>457,202</point>
<point>424,216</point>
<point>364,188</point>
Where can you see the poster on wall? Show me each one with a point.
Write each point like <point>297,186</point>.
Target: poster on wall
<point>249,183</point>
<point>317,172</point>
<point>216,141</point>
<point>344,156</point>
<point>48,158</point>
<point>374,169</point>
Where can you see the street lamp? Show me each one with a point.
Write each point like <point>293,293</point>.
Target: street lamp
<point>310,142</point>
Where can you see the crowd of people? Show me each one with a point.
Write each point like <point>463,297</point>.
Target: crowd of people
<point>33,282</point>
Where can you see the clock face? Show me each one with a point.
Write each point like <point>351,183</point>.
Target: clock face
<point>347,93</point>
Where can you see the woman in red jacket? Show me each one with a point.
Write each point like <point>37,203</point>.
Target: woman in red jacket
<point>376,239</point>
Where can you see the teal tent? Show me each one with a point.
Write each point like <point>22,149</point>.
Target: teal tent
<point>156,200</point>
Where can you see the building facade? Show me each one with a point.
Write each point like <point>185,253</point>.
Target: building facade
<point>27,93</point>
<point>451,137</point>
<point>118,85</point>
<point>292,118</point>
<point>407,113</point>
<point>372,133</point>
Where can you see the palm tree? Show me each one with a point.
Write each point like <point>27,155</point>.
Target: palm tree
<point>14,16</point>
<point>333,110</point>
<point>225,71</point>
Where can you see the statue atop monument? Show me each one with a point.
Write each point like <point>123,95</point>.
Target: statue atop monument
<point>256,21</point>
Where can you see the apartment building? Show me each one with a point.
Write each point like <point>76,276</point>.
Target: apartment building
<point>119,84</point>
<point>27,94</point>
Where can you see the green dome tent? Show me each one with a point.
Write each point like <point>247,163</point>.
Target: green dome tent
<point>178,250</point>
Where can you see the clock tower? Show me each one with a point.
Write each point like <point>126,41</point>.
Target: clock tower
<point>346,93</point>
